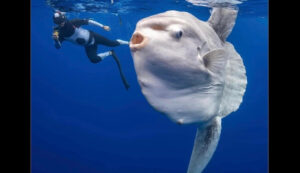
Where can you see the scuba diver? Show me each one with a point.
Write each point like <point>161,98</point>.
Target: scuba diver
<point>70,30</point>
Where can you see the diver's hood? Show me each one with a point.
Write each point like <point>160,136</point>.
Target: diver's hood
<point>59,17</point>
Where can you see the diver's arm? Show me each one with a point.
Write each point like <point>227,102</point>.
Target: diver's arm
<point>57,44</point>
<point>92,22</point>
<point>55,28</point>
<point>79,22</point>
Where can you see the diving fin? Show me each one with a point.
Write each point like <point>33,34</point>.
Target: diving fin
<point>120,70</point>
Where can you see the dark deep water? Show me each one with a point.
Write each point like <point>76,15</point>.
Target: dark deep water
<point>83,120</point>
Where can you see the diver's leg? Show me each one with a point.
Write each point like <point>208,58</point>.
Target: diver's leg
<point>91,52</point>
<point>104,41</point>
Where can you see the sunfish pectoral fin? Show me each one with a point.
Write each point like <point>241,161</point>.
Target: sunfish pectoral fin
<point>215,60</point>
<point>206,141</point>
<point>222,20</point>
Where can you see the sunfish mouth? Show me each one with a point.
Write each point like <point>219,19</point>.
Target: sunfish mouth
<point>137,41</point>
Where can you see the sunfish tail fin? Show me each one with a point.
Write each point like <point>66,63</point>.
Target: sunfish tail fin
<point>205,144</point>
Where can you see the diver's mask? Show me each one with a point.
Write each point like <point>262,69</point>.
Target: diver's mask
<point>59,17</point>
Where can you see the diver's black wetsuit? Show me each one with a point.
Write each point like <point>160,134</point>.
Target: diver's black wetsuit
<point>71,31</point>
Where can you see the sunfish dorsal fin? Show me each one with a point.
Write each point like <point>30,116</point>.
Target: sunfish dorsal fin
<point>222,20</point>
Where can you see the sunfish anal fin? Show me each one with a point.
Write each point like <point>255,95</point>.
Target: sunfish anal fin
<point>206,141</point>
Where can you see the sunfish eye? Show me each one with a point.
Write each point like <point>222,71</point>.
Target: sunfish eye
<point>176,31</point>
<point>178,34</point>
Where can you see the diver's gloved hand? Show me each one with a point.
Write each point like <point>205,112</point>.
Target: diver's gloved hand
<point>92,22</point>
<point>107,28</point>
<point>55,35</point>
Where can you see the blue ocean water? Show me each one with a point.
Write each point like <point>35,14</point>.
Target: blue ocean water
<point>84,121</point>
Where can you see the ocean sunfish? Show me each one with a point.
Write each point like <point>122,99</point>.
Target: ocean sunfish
<point>188,71</point>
